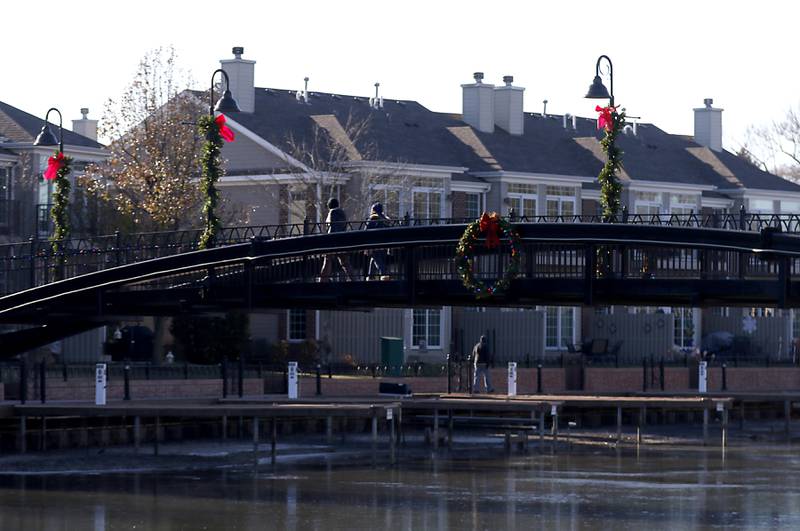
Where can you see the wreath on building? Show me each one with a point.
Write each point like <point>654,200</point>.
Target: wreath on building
<point>493,228</point>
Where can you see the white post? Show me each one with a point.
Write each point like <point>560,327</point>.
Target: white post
<point>512,378</point>
<point>100,378</point>
<point>702,377</point>
<point>292,375</point>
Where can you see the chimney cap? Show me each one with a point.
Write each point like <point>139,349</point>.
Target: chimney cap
<point>508,80</point>
<point>708,102</point>
<point>84,112</point>
<point>478,76</point>
<point>238,51</point>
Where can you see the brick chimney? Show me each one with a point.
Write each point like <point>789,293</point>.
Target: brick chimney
<point>708,126</point>
<point>508,107</point>
<point>85,126</point>
<point>478,104</point>
<point>241,73</point>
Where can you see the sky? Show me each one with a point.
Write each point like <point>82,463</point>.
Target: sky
<point>667,56</point>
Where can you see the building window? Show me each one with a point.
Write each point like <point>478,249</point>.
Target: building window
<point>682,204</point>
<point>647,203</point>
<point>522,198</point>
<point>684,327</point>
<point>761,206</point>
<point>560,201</point>
<point>761,312</point>
<point>427,203</point>
<point>472,206</point>
<point>296,325</point>
<point>426,327</point>
<point>389,197</point>
<point>297,212</point>
<point>559,325</point>
<point>721,311</point>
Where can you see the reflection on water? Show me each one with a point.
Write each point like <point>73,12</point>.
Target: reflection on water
<point>680,488</point>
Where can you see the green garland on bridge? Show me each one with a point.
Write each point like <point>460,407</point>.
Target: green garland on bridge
<point>612,121</point>
<point>211,171</point>
<point>494,228</point>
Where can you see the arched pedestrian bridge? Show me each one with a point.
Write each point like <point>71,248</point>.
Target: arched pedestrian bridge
<point>657,261</point>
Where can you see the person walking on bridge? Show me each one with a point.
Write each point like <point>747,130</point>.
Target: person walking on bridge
<point>483,359</point>
<point>336,222</point>
<point>377,220</point>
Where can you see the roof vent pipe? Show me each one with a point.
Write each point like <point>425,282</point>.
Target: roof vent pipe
<point>569,116</point>
<point>544,111</point>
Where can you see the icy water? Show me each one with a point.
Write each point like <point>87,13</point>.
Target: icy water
<point>680,488</point>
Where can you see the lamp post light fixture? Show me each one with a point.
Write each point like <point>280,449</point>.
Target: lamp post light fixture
<point>226,103</point>
<point>597,90</point>
<point>46,136</point>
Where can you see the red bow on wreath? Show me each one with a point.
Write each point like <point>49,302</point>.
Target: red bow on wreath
<point>490,224</point>
<point>224,131</point>
<point>53,165</point>
<point>606,119</point>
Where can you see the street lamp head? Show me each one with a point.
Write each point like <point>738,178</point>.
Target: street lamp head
<point>226,103</point>
<point>46,137</point>
<point>597,90</point>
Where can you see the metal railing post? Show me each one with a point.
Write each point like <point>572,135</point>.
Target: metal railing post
<point>23,381</point>
<point>319,379</point>
<point>126,374</point>
<point>32,273</point>
<point>43,381</point>
<point>539,378</point>
<point>724,376</point>
<point>223,368</point>
<point>241,375</point>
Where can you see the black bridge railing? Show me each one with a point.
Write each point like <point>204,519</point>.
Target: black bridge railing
<point>28,264</point>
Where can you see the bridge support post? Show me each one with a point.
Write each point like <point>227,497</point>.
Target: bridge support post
<point>23,434</point>
<point>724,427</point>
<point>137,433</point>
<point>590,264</point>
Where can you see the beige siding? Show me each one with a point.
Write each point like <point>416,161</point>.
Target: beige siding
<point>358,333</point>
<point>642,335</point>
<point>246,155</point>
<point>253,204</point>
<point>519,335</point>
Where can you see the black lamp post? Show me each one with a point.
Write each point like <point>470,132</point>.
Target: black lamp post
<point>46,136</point>
<point>226,103</point>
<point>597,90</point>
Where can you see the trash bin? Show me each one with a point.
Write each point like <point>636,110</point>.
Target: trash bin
<point>392,355</point>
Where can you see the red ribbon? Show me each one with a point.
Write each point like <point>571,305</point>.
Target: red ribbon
<point>490,224</point>
<point>53,165</point>
<point>606,119</point>
<point>224,131</point>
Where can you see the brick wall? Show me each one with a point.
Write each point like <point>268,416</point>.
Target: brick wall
<point>83,389</point>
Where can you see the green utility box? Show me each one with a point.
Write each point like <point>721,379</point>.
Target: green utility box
<point>392,355</point>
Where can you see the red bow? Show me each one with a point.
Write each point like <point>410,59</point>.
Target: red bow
<point>490,224</point>
<point>224,131</point>
<point>606,119</point>
<point>53,165</point>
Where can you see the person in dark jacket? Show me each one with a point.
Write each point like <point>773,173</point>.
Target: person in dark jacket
<point>336,222</point>
<point>483,359</point>
<point>377,260</point>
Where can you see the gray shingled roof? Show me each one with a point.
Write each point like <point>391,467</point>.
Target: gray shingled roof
<point>30,125</point>
<point>405,131</point>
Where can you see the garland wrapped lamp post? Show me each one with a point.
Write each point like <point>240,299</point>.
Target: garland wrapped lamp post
<point>612,121</point>
<point>58,168</point>
<point>214,131</point>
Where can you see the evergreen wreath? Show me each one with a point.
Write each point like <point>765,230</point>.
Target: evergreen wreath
<point>494,227</point>
<point>211,171</point>
<point>612,121</point>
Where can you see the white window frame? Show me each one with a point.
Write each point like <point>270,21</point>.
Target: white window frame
<point>676,207</point>
<point>680,335</point>
<point>427,312</point>
<point>644,207</point>
<point>289,337</point>
<point>560,340</point>
<point>479,197</point>
<point>427,190</point>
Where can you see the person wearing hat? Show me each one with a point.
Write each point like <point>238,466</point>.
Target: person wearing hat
<point>336,222</point>
<point>377,260</point>
<point>483,359</point>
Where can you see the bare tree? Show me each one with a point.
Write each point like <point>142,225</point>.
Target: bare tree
<point>776,147</point>
<point>151,176</point>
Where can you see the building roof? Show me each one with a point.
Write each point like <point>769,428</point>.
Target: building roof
<point>20,126</point>
<point>406,132</point>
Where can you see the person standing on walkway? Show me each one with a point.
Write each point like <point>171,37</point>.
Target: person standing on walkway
<point>336,222</point>
<point>377,259</point>
<point>483,359</point>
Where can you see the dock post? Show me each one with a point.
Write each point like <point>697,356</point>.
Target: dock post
<point>787,416</point>
<point>724,427</point>
<point>450,429</point>
<point>137,433</point>
<point>329,429</point>
<point>374,429</point>
<point>436,429</point>
<point>400,425</point>
<point>541,427</point>
<point>43,435</point>
<point>705,426</point>
<point>23,434</point>
<point>224,428</point>
<point>619,424</point>
<point>255,439</point>
<point>639,426</point>
<point>274,440</point>
<point>392,442</point>
<point>741,415</point>
<point>155,439</point>
<point>539,378</point>
<point>555,426</point>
